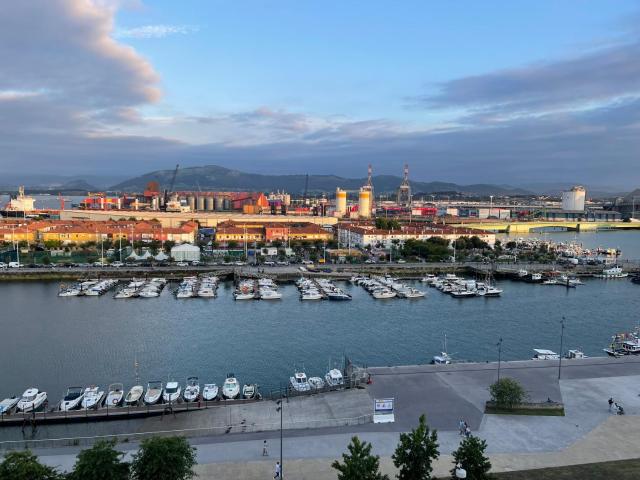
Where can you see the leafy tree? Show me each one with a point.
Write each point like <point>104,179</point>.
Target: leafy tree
<point>25,466</point>
<point>164,458</point>
<point>169,244</point>
<point>100,462</point>
<point>359,464</point>
<point>416,451</point>
<point>231,244</point>
<point>471,455</point>
<point>507,393</point>
<point>49,244</point>
<point>387,224</point>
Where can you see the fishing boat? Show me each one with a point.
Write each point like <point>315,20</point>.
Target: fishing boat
<point>383,293</point>
<point>249,391</point>
<point>210,392</point>
<point>543,354</point>
<point>231,388</point>
<point>133,395</point>
<point>32,399</point>
<point>191,389</point>
<point>612,272</point>
<point>243,295</point>
<point>299,382</point>
<point>571,354</point>
<point>154,392</point>
<point>316,383</point>
<point>171,392</point>
<point>267,293</point>
<point>8,404</point>
<point>463,293</point>
<point>72,399</point>
<point>115,395</point>
<point>310,295</point>
<point>334,378</point>
<point>624,344</point>
<point>93,397</point>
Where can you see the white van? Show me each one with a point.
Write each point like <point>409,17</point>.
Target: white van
<point>14,265</point>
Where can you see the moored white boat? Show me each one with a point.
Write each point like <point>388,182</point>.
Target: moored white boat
<point>231,387</point>
<point>334,378</point>
<point>154,392</point>
<point>31,400</point>
<point>8,404</point>
<point>93,397</point>
<point>133,395</point>
<point>171,392</point>
<point>249,391</point>
<point>115,395</point>
<point>543,354</point>
<point>299,382</point>
<point>316,383</point>
<point>210,392</point>
<point>72,399</point>
<point>191,389</point>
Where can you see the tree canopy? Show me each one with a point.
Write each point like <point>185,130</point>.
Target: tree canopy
<point>471,456</point>
<point>416,452</point>
<point>100,462</point>
<point>359,463</point>
<point>507,393</point>
<point>164,458</point>
<point>25,466</point>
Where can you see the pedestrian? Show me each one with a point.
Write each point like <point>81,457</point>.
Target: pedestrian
<point>467,432</point>
<point>265,452</point>
<point>277,470</point>
<point>610,403</point>
<point>461,425</point>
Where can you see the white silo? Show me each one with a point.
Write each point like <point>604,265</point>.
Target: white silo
<point>341,202</point>
<point>364,205</point>
<point>574,199</point>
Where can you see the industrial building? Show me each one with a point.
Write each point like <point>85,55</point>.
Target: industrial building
<point>574,199</point>
<point>629,205</point>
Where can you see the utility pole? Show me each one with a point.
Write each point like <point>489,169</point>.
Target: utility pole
<point>561,340</point>
<point>280,409</point>
<point>499,344</point>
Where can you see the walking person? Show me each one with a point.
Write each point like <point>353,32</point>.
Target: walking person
<point>277,470</point>
<point>461,425</point>
<point>467,431</point>
<point>265,452</point>
<point>610,403</point>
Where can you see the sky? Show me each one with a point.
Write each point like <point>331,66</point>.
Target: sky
<point>494,92</point>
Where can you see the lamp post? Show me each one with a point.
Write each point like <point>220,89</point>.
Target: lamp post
<point>499,345</point>
<point>280,408</point>
<point>490,205</point>
<point>561,340</point>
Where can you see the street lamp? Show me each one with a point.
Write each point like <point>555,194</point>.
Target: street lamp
<point>490,205</point>
<point>280,408</point>
<point>561,340</point>
<point>499,345</point>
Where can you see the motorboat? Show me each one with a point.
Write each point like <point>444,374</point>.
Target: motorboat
<point>32,399</point>
<point>210,392</point>
<point>443,359</point>
<point>269,294</point>
<point>550,281</point>
<point>153,393</point>
<point>243,295</point>
<point>249,391</point>
<point>171,392</point>
<point>299,382</point>
<point>311,295</point>
<point>543,354</point>
<point>411,292</point>
<point>133,395</point>
<point>624,344</point>
<point>463,293</point>
<point>93,397</point>
<point>126,292</point>
<point>316,383</point>
<point>334,378</point>
<point>338,296</point>
<point>115,395</point>
<point>429,279</point>
<point>383,293</point>
<point>575,354</point>
<point>612,272</point>
<point>191,389</point>
<point>69,292</point>
<point>72,399</point>
<point>489,291</point>
<point>8,404</point>
<point>522,273</point>
<point>231,387</point>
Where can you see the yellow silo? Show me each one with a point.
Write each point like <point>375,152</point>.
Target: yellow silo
<point>341,202</point>
<point>364,206</point>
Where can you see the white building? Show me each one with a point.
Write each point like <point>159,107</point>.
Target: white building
<point>185,253</point>
<point>574,199</point>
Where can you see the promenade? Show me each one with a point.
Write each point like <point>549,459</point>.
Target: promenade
<point>587,433</point>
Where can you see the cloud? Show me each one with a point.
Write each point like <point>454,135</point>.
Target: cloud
<point>595,77</point>
<point>156,31</point>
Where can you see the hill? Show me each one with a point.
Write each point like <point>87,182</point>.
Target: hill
<point>213,177</point>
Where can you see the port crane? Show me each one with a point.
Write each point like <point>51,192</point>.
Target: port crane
<point>170,189</point>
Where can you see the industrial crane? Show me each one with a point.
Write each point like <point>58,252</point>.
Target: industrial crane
<point>173,181</point>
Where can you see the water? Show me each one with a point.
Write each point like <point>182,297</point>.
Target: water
<point>628,241</point>
<point>47,201</point>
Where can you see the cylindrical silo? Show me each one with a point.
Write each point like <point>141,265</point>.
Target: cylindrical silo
<point>191,201</point>
<point>219,203</point>
<point>210,203</point>
<point>201,203</point>
<point>364,206</point>
<point>226,205</point>
<point>341,202</point>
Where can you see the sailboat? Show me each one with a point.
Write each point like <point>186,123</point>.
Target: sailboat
<point>444,358</point>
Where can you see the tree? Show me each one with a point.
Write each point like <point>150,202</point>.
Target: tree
<point>100,462</point>
<point>231,244</point>
<point>470,454</point>
<point>416,451</point>
<point>507,393</point>
<point>25,466</point>
<point>164,458</point>
<point>359,464</point>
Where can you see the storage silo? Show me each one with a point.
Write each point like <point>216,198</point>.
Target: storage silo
<point>364,205</point>
<point>574,199</point>
<point>219,203</point>
<point>191,201</point>
<point>226,205</point>
<point>201,203</point>
<point>341,202</point>
<point>210,203</point>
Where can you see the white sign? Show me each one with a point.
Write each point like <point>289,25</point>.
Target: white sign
<point>383,410</point>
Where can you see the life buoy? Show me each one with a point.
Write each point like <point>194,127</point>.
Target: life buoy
<point>114,401</point>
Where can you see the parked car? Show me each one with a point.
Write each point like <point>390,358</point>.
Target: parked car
<point>117,264</point>
<point>15,265</point>
<point>182,264</point>
<point>3,265</point>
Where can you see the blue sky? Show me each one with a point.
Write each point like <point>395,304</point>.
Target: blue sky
<point>495,91</point>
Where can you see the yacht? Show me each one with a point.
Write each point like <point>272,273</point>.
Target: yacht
<point>171,392</point>
<point>443,359</point>
<point>269,294</point>
<point>463,293</point>
<point>429,279</point>
<point>249,391</point>
<point>543,354</point>
<point>93,397</point>
<point>210,392</point>
<point>613,272</point>
<point>243,295</point>
<point>522,273</point>
<point>299,382</point>
<point>231,388</point>
<point>411,292</point>
<point>575,354</point>
<point>134,395</point>
<point>489,291</point>
<point>72,399</point>
<point>8,404</point>
<point>153,393</point>
<point>334,378</point>
<point>191,389</point>
<point>126,292</point>
<point>32,399</point>
<point>115,395</point>
<point>69,292</point>
<point>383,293</point>
<point>338,296</point>
<point>310,295</point>
<point>316,383</point>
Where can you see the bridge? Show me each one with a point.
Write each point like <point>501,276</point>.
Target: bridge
<point>527,227</point>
